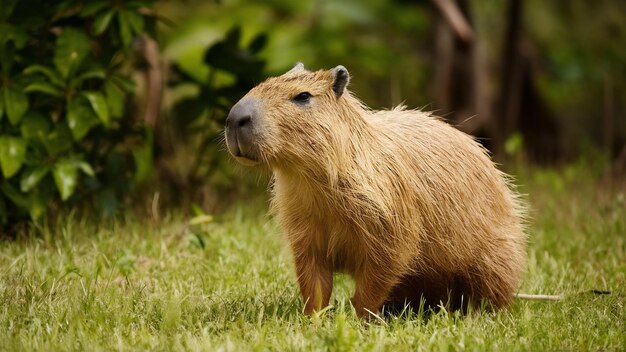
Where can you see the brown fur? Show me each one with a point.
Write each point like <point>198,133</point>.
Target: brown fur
<point>408,205</point>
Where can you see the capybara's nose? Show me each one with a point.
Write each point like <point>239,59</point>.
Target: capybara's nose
<point>240,129</point>
<point>238,121</point>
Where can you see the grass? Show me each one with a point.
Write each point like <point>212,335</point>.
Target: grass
<point>229,285</point>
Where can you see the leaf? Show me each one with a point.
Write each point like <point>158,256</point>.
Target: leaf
<point>514,144</point>
<point>200,219</point>
<point>34,126</point>
<point>45,88</point>
<point>59,140</point>
<point>93,7</point>
<point>99,105</point>
<point>123,83</point>
<point>15,104</point>
<point>6,8</point>
<point>65,175</point>
<point>125,27</point>
<point>12,154</point>
<point>37,206</point>
<point>72,47</point>
<point>50,73</point>
<point>91,74</point>
<point>1,102</point>
<point>80,117</point>
<point>14,34</point>
<point>135,20</point>
<point>258,43</point>
<point>102,21</point>
<point>143,158</point>
<point>115,99</point>
<point>85,167</point>
<point>15,196</point>
<point>197,240</point>
<point>107,203</point>
<point>7,55</point>
<point>32,176</point>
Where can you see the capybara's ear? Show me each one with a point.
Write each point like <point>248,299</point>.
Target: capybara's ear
<point>342,77</point>
<point>298,67</point>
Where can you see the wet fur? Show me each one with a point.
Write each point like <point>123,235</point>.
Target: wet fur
<point>408,205</point>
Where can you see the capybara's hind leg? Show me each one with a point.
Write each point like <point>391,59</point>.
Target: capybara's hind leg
<point>370,294</point>
<point>450,291</point>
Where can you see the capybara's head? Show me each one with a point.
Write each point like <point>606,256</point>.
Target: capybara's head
<point>293,119</point>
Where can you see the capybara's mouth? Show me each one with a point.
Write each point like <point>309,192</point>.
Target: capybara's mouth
<point>242,132</point>
<point>247,161</point>
<point>242,152</point>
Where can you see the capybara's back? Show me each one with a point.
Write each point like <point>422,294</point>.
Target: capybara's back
<point>471,237</point>
<point>411,207</point>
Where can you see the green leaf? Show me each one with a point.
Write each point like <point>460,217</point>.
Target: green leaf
<point>65,175</point>
<point>6,8</point>
<point>514,144</point>
<point>125,27</point>
<point>143,158</point>
<point>72,47</point>
<point>12,154</point>
<point>7,55</point>
<point>106,202</point>
<point>32,176</point>
<point>135,20</point>
<point>1,102</point>
<point>115,99</point>
<point>37,206</point>
<point>123,83</point>
<point>15,104</point>
<point>59,140</point>
<point>80,117</point>
<point>99,105</point>
<point>258,43</point>
<point>34,126</point>
<point>85,167</point>
<point>45,88</point>
<point>52,75</point>
<point>96,73</point>
<point>15,196</point>
<point>102,21</point>
<point>15,34</point>
<point>93,7</point>
<point>201,219</point>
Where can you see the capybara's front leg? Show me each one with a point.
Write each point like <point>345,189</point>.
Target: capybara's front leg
<point>316,283</point>
<point>370,294</point>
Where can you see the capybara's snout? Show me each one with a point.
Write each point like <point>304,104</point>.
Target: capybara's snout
<point>242,131</point>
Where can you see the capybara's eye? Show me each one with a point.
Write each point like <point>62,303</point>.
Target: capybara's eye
<point>303,97</point>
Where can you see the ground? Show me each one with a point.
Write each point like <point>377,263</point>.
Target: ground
<point>229,285</point>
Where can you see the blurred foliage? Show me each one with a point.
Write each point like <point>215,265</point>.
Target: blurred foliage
<point>389,48</point>
<point>384,44</point>
<point>65,134</point>
<point>68,132</point>
<point>232,69</point>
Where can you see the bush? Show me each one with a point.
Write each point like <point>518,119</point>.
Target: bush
<point>192,150</point>
<point>65,133</point>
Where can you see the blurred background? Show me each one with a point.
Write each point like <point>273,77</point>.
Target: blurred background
<point>114,105</point>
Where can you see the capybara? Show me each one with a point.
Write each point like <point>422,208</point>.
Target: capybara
<point>409,206</point>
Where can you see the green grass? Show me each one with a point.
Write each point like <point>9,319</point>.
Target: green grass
<point>132,285</point>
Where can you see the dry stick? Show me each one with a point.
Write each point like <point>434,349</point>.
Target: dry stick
<point>154,80</point>
<point>455,18</point>
<point>556,297</point>
<point>538,297</point>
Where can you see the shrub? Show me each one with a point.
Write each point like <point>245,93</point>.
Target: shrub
<point>65,133</point>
